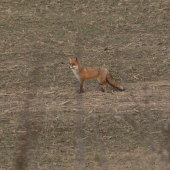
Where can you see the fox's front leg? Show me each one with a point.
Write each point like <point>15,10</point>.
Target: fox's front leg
<point>81,86</point>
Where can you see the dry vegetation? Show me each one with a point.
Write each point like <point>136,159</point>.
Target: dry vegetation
<point>45,123</point>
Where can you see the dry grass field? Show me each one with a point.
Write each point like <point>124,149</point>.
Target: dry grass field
<point>45,123</point>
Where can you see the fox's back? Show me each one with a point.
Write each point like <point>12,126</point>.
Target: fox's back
<point>94,72</point>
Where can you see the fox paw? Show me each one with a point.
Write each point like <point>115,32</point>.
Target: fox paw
<point>102,89</point>
<point>81,91</point>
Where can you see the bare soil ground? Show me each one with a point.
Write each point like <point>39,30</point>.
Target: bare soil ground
<point>45,123</point>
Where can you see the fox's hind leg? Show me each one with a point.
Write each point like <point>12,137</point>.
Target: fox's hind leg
<point>104,82</point>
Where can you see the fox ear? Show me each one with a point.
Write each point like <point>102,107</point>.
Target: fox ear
<point>70,59</point>
<point>76,59</point>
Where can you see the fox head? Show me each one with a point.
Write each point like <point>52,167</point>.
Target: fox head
<point>73,63</point>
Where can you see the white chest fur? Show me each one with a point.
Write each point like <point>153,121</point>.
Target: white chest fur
<point>75,71</point>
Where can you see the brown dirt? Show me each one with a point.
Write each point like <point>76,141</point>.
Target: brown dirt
<point>45,123</point>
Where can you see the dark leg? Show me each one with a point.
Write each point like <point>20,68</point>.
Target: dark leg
<point>102,89</point>
<point>103,81</point>
<point>81,87</point>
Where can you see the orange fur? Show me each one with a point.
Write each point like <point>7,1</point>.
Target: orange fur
<point>99,73</point>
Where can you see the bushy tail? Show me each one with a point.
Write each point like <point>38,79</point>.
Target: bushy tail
<point>113,83</point>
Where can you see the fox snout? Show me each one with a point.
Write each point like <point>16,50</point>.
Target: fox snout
<point>70,66</point>
<point>73,66</point>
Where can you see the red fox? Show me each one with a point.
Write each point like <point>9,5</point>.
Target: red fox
<point>99,73</point>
